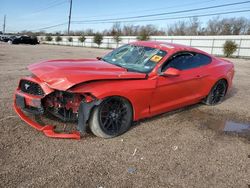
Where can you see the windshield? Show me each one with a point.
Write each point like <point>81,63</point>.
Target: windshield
<point>135,58</point>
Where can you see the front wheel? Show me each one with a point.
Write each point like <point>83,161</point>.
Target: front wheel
<point>217,93</point>
<point>111,118</point>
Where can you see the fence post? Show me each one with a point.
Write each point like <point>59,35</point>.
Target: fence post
<point>212,48</point>
<point>239,48</point>
<point>190,43</point>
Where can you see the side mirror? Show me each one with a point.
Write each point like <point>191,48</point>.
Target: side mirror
<point>98,58</point>
<point>171,72</point>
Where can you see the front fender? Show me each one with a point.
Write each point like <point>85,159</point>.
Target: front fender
<point>137,92</point>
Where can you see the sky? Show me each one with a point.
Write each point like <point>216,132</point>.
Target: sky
<point>36,15</point>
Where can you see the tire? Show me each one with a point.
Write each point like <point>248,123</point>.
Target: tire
<point>111,118</point>
<point>217,93</point>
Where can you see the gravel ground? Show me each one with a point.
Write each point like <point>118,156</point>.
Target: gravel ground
<point>184,148</point>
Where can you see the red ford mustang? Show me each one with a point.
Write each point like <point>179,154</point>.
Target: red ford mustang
<point>135,81</point>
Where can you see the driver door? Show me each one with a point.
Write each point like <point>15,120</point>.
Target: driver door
<point>173,92</point>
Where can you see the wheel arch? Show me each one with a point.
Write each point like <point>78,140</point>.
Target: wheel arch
<point>206,100</point>
<point>217,80</point>
<point>97,126</point>
<point>212,82</point>
<point>224,79</point>
<point>86,109</point>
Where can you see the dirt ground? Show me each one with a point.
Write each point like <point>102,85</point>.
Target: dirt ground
<point>184,148</point>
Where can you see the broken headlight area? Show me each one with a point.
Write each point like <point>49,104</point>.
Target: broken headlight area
<point>63,105</point>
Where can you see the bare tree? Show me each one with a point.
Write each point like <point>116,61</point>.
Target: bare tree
<point>146,31</point>
<point>116,32</point>
<point>194,26</point>
<point>130,30</point>
<point>213,27</point>
<point>177,28</point>
<point>248,31</point>
<point>240,26</point>
<point>89,32</point>
<point>227,26</point>
<point>191,27</point>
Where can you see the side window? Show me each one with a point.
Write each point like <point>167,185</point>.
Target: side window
<point>187,61</point>
<point>179,61</point>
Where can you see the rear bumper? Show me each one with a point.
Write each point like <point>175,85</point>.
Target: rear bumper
<point>48,130</point>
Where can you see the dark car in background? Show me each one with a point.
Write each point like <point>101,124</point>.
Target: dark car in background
<point>23,40</point>
<point>5,38</point>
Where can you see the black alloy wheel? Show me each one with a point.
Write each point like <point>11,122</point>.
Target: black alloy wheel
<point>111,118</point>
<point>217,93</point>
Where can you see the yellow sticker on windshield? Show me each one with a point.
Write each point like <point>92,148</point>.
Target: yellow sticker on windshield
<point>156,58</point>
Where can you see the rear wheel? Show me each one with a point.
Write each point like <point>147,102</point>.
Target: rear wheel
<point>217,93</point>
<point>111,118</point>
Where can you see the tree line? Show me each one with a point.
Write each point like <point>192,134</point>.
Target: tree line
<point>193,26</point>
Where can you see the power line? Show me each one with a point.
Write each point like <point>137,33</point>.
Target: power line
<point>173,18</point>
<point>49,27</point>
<point>149,10</point>
<point>51,6</point>
<point>155,19</point>
<point>149,20</point>
<point>166,13</point>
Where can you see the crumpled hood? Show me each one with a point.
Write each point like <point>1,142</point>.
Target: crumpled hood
<point>63,74</point>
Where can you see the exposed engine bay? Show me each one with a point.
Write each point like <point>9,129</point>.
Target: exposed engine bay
<point>63,105</point>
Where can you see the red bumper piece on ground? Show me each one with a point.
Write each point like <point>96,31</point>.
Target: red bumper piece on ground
<point>48,130</point>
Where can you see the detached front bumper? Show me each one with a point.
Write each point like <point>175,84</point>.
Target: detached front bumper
<point>48,130</point>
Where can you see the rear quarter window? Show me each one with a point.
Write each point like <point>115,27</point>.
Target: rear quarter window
<point>200,60</point>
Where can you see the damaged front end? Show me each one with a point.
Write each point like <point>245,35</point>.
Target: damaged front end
<point>35,97</point>
<point>63,105</point>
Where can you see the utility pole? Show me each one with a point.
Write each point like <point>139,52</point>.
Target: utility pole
<point>4,22</point>
<point>69,16</point>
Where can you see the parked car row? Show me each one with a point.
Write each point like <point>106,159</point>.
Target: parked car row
<point>11,39</point>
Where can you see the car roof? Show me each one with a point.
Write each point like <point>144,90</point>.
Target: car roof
<point>166,46</point>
